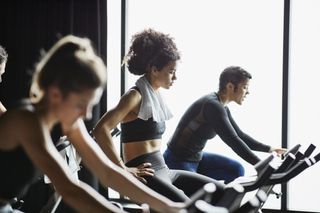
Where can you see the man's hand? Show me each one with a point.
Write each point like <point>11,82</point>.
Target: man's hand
<point>279,151</point>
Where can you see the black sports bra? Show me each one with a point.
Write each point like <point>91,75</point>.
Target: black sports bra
<point>17,173</point>
<point>141,130</point>
<point>17,170</point>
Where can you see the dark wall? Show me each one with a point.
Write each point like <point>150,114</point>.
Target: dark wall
<point>29,27</point>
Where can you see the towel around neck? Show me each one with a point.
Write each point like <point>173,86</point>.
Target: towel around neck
<point>152,103</point>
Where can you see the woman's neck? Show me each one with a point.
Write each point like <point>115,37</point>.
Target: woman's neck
<point>45,115</point>
<point>152,82</point>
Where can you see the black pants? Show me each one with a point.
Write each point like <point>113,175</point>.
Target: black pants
<point>177,185</point>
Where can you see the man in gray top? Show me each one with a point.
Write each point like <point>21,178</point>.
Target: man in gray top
<point>207,117</point>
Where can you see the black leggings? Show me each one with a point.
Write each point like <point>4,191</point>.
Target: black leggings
<point>177,185</point>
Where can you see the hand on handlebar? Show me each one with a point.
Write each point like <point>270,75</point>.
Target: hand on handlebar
<point>279,151</point>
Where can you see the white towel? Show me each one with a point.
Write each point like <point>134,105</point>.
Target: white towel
<point>152,103</point>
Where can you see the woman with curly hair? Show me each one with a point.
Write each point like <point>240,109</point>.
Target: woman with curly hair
<point>142,113</point>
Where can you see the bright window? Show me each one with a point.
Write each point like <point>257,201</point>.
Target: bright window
<point>212,35</point>
<point>113,63</point>
<point>113,52</point>
<point>304,107</point>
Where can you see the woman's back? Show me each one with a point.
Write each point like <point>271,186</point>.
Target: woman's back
<point>18,171</point>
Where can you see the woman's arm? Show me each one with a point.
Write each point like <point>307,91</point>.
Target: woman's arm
<point>36,141</point>
<point>102,135</point>
<point>113,176</point>
<point>102,130</point>
<point>129,103</point>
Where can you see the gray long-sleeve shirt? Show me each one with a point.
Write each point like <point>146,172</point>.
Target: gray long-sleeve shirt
<point>205,119</point>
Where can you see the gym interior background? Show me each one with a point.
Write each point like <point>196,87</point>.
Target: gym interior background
<point>277,41</point>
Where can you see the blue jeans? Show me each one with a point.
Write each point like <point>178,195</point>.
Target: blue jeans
<point>212,165</point>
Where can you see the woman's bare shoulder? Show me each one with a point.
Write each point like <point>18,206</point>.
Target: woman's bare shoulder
<point>132,94</point>
<point>17,124</point>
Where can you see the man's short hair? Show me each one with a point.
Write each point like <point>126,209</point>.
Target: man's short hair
<point>234,75</point>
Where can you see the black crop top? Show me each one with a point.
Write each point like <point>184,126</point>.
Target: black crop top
<point>17,173</point>
<point>141,130</point>
<point>17,170</point>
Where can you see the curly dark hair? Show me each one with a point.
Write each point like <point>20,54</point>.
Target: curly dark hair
<point>150,48</point>
<point>233,74</point>
<point>3,55</point>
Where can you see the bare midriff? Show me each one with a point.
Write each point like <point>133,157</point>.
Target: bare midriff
<point>134,149</point>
